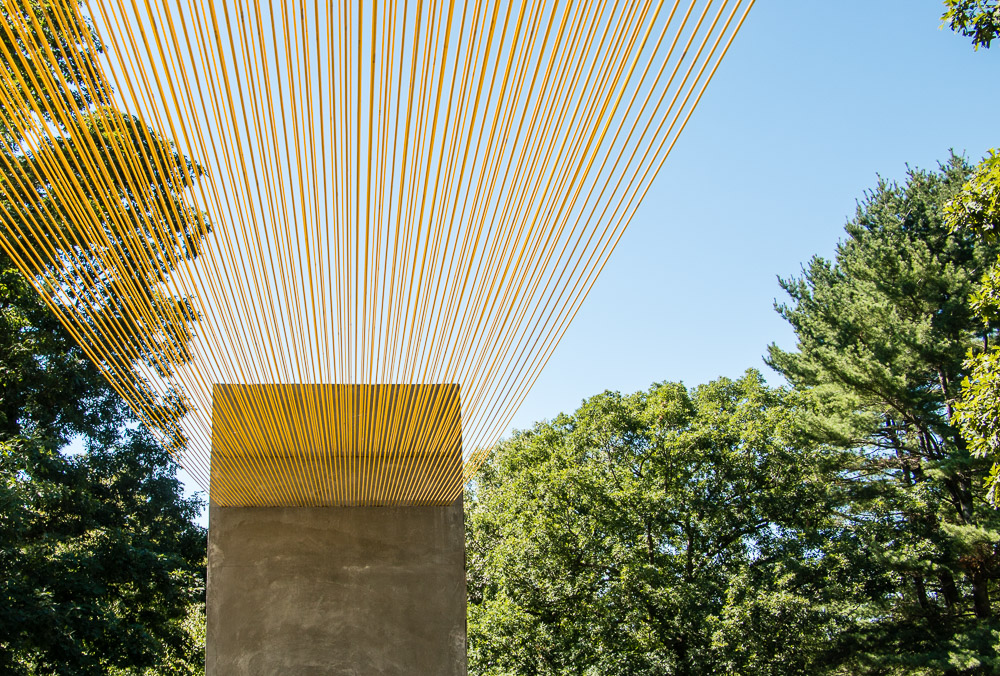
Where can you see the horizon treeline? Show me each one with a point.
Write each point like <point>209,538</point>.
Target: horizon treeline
<point>838,524</point>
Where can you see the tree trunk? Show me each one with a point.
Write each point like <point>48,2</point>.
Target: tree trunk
<point>918,582</point>
<point>981,593</point>
<point>948,590</point>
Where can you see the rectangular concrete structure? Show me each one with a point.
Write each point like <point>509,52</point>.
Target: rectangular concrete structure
<point>336,543</point>
<point>359,591</point>
<point>344,445</point>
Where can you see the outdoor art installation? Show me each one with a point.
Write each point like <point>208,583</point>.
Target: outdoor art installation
<point>325,249</point>
<point>361,193</point>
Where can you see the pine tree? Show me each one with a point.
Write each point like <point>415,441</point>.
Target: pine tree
<point>882,331</point>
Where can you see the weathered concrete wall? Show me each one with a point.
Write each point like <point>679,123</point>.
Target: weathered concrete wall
<point>336,590</point>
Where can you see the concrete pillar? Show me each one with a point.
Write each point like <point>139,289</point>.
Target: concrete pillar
<point>331,546</point>
<point>336,590</point>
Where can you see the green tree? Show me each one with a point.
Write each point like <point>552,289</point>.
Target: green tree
<point>881,331</point>
<point>134,184</point>
<point>103,567</point>
<point>976,209</point>
<point>664,532</point>
<point>976,19</point>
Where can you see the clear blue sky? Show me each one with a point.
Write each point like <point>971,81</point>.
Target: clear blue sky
<point>814,102</point>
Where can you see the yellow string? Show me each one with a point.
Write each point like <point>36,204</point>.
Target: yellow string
<point>401,193</point>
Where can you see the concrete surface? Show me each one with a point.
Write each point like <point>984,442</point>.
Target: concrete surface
<point>359,591</point>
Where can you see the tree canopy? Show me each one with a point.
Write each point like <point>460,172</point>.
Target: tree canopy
<point>836,526</point>
<point>103,565</point>
<point>975,19</point>
<point>636,535</point>
<point>882,330</point>
<point>976,211</point>
<point>131,181</point>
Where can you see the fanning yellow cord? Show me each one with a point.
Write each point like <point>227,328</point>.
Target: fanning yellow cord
<point>325,248</point>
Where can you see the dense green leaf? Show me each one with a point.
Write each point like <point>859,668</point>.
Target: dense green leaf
<point>975,19</point>
<point>644,533</point>
<point>103,567</point>
<point>882,332</point>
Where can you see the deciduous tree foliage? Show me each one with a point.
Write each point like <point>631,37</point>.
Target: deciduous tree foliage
<point>977,210</point>
<point>103,569</point>
<point>975,19</point>
<point>125,174</point>
<point>102,565</point>
<point>665,532</point>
